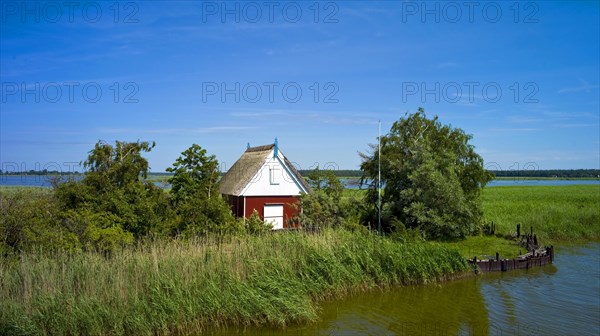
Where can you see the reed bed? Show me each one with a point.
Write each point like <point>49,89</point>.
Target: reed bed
<point>181,287</point>
<point>557,213</point>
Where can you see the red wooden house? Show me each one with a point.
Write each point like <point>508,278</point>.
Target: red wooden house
<point>263,179</point>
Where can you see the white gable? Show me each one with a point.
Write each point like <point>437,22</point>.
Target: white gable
<point>273,179</point>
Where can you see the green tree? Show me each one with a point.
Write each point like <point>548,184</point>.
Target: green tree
<point>257,226</point>
<point>117,167</point>
<point>195,194</point>
<point>113,202</point>
<point>325,205</point>
<point>326,181</point>
<point>28,219</point>
<point>195,174</point>
<point>432,178</point>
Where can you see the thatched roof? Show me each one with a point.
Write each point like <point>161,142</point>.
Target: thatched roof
<point>247,166</point>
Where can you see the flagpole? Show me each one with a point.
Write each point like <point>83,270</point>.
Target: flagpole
<point>379,179</point>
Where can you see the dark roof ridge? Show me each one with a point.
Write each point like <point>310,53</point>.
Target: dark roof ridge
<point>260,148</point>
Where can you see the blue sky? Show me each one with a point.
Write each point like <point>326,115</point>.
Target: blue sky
<point>521,77</point>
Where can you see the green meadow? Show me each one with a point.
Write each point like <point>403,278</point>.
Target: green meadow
<point>556,213</point>
<point>24,189</point>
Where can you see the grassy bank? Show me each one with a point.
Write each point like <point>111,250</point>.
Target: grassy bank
<point>184,287</point>
<point>15,189</point>
<point>557,213</point>
<point>485,247</point>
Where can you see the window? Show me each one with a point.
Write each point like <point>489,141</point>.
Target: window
<point>274,175</point>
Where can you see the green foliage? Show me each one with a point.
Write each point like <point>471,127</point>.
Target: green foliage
<point>195,193</point>
<point>257,226</point>
<point>557,213</point>
<point>325,180</point>
<point>195,175</point>
<point>432,178</point>
<point>101,231</point>
<point>117,167</point>
<point>113,204</point>
<point>28,219</point>
<point>200,216</point>
<point>189,286</point>
<point>325,205</point>
<point>337,172</point>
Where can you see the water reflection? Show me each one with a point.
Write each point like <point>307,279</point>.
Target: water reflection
<point>558,299</point>
<point>451,308</point>
<point>447,309</point>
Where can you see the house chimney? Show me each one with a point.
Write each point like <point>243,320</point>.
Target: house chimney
<point>248,146</point>
<point>276,149</point>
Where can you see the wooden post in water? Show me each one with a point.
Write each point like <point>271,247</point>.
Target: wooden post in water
<point>518,230</point>
<point>497,256</point>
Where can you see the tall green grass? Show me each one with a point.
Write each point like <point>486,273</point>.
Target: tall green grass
<point>9,190</point>
<point>191,286</point>
<point>557,213</point>
<point>485,247</point>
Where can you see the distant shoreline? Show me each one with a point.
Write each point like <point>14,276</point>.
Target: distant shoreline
<point>516,178</point>
<point>567,174</point>
<point>163,176</point>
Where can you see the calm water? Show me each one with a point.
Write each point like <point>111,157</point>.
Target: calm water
<point>352,183</point>
<point>44,181</point>
<point>31,180</point>
<point>559,299</point>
